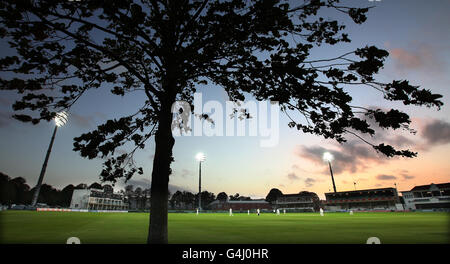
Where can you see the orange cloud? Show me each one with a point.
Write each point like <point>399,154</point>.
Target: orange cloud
<point>406,59</point>
<point>352,156</point>
<point>419,57</point>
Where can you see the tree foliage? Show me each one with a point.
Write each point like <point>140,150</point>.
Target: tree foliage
<point>17,191</point>
<point>183,200</point>
<point>68,47</point>
<point>96,185</point>
<point>207,198</point>
<point>273,194</point>
<point>164,49</point>
<point>222,196</point>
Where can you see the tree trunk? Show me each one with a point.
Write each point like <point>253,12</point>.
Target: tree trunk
<point>164,142</point>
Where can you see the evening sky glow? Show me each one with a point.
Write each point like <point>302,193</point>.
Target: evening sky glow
<point>415,33</point>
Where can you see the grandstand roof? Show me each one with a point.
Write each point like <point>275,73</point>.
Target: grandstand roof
<point>241,202</point>
<point>366,190</point>
<point>301,194</point>
<point>427,187</point>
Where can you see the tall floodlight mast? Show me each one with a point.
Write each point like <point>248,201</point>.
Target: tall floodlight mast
<point>200,157</point>
<point>328,157</point>
<point>60,120</point>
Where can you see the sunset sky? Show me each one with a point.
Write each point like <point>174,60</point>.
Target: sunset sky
<point>415,33</point>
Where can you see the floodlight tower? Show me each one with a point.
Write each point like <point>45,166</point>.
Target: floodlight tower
<point>200,157</point>
<point>60,120</point>
<point>327,156</point>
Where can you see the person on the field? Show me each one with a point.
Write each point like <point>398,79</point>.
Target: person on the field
<point>257,211</point>
<point>321,212</point>
<point>231,212</point>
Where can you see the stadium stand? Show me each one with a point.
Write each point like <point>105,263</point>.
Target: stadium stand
<point>383,199</point>
<point>303,201</point>
<point>428,197</point>
<point>97,199</point>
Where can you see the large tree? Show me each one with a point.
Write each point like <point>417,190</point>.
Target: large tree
<point>176,199</point>
<point>222,196</point>
<point>234,197</point>
<point>165,49</point>
<point>95,185</point>
<point>22,190</point>
<point>273,194</point>
<point>66,195</point>
<point>188,199</point>
<point>207,198</point>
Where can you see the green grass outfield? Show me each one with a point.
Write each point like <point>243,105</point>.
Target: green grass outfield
<point>209,228</point>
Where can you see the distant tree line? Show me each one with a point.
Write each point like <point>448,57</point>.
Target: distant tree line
<point>17,191</point>
<point>188,200</point>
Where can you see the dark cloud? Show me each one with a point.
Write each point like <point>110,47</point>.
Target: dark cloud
<point>400,141</point>
<point>384,177</point>
<point>310,182</point>
<point>354,155</point>
<point>293,176</point>
<point>349,157</point>
<point>436,132</point>
<point>408,177</point>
